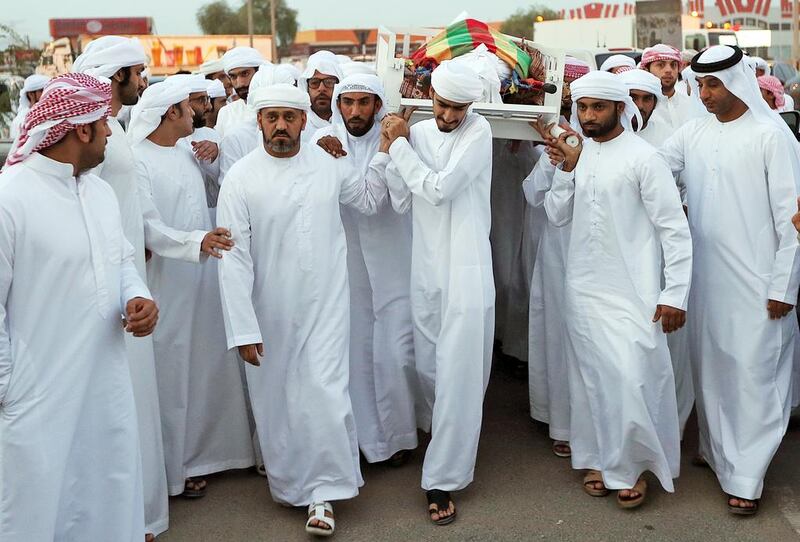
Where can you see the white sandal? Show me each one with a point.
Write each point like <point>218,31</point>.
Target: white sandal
<point>319,510</point>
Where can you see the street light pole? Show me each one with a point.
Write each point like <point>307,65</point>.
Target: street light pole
<point>795,32</point>
<point>250,20</point>
<point>273,30</point>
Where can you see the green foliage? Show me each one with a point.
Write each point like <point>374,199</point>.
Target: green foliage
<point>520,23</point>
<point>218,17</point>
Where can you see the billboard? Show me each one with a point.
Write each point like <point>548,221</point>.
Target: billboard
<point>170,54</point>
<point>100,26</point>
<point>658,21</point>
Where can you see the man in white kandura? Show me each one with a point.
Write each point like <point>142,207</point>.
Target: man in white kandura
<point>740,166</point>
<point>645,91</point>
<point>285,297</point>
<point>441,170</point>
<point>242,139</point>
<point>70,467</point>
<point>548,382</point>
<point>240,64</point>
<point>626,214</point>
<point>203,413</point>
<point>29,94</point>
<point>122,61</point>
<point>383,381</point>
<point>664,61</point>
<point>323,72</point>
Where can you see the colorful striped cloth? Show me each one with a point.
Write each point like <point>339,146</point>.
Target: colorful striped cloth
<point>464,36</point>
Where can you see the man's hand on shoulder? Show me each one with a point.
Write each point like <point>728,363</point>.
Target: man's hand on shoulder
<point>332,146</point>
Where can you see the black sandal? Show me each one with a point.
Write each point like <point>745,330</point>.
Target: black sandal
<point>399,459</point>
<point>742,510</point>
<point>441,500</point>
<point>196,492</point>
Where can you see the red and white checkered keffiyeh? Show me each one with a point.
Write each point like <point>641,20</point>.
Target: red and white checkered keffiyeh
<point>68,101</point>
<point>660,52</point>
<point>574,68</point>
<point>772,84</point>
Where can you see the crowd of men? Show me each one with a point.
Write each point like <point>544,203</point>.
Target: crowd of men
<point>152,237</point>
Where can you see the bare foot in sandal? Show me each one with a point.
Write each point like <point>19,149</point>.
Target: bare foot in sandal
<point>593,484</point>
<point>633,497</point>
<point>441,507</point>
<point>194,488</point>
<point>742,507</point>
<point>561,448</point>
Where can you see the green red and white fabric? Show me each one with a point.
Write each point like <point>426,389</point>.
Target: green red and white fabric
<point>464,36</point>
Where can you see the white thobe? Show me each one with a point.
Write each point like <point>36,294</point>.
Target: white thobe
<point>625,212</point>
<point>548,383</point>
<point>284,284</point>
<point>70,467</point>
<point>676,110</point>
<point>516,229</point>
<point>203,413</point>
<point>313,123</point>
<point>741,198</point>
<point>232,115</point>
<point>210,169</point>
<point>238,143</point>
<point>445,179</point>
<point>656,133</point>
<point>383,380</point>
<point>118,170</point>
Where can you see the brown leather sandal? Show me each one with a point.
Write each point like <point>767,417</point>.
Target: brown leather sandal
<point>592,477</point>
<point>633,502</point>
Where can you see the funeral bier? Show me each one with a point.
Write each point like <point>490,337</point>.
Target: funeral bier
<point>524,79</point>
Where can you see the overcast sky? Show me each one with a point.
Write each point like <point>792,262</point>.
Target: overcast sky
<point>178,16</point>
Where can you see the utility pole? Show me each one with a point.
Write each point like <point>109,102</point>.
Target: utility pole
<point>274,25</point>
<point>795,32</point>
<point>250,20</point>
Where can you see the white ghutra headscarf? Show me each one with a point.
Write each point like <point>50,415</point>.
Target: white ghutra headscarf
<point>604,86</point>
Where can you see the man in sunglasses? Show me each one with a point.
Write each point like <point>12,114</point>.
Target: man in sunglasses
<point>321,75</point>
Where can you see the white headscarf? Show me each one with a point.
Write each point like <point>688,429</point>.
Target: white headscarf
<point>603,86</point>
<point>484,64</point>
<point>642,80</point>
<point>32,84</point>
<point>268,75</point>
<point>617,61</point>
<point>242,57</point>
<point>456,82</point>
<point>343,59</point>
<point>739,80</point>
<point>211,66</point>
<point>155,101</point>
<point>280,95</point>
<point>358,83</point>
<point>106,55</point>
<point>215,89</point>
<point>352,68</point>
<point>762,64</point>
<point>194,82</point>
<point>322,62</point>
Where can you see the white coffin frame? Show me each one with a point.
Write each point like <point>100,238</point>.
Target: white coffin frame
<point>508,121</point>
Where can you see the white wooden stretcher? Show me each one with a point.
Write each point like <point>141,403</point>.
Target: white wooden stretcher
<point>508,121</point>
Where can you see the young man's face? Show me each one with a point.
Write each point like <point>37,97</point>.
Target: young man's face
<point>667,71</point>
<point>320,91</point>
<point>645,102</point>
<point>358,110</point>
<point>769,98</point>
<point>240,79</point>
<point>449,115</point>
<point>717,99</point>
<point>131,84</point>
<point>597,117</point>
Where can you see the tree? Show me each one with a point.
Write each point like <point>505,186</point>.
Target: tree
<point>218,17</point>
<point>520,23</point>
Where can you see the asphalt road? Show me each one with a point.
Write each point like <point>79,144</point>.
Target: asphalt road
<point>521,492</point>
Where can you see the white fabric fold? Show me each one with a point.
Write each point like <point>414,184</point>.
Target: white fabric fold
<point>107,55</point>
<point>457,82</point>
<point>242,57</point>
<point>147,113</point>
<point>280,95</point>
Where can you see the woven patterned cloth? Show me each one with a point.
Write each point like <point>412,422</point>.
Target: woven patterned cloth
<point>463,37</point>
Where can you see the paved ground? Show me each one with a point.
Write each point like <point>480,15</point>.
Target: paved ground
<point>521,492</point>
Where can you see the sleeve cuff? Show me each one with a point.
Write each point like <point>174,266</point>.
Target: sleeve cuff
<point>563,176</point>
<point>243,340</point>
<point>671,300</point>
